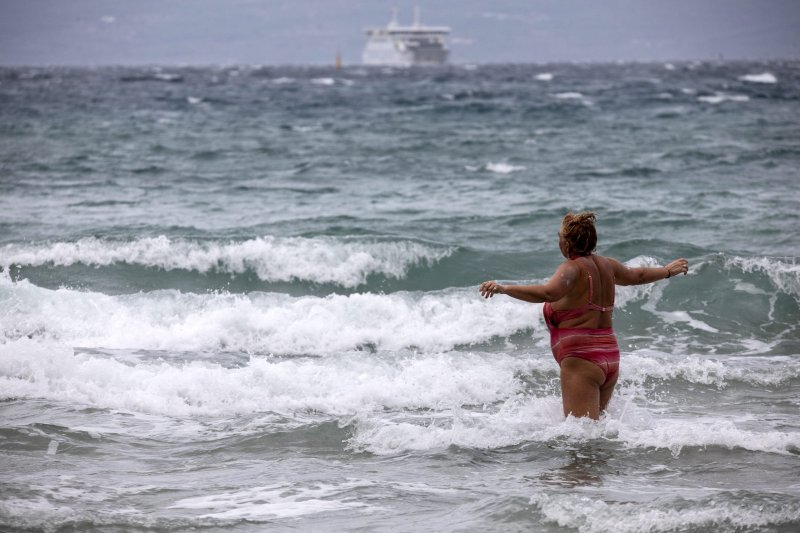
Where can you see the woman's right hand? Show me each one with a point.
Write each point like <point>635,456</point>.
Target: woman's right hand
<point>679,266</point>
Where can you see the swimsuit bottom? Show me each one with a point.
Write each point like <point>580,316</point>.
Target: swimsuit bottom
<point>598,346</point>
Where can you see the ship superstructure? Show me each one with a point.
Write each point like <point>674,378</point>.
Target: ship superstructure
<point>404,46</point>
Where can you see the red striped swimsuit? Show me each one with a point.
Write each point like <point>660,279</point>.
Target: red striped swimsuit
<point>598,345</point>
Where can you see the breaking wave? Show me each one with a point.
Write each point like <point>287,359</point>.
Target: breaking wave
<point>345,262</point>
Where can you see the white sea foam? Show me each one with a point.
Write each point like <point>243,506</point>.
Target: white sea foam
<point>275,323</point>
<point>39,513</point>
<point>187,384</point>
<point>503,168</point>
<point>570,95</point>
<point>194,100</point>
<point>641,365</point>
<point>323,81</point>
<point>764,77</point>
<point>721,97</point>
<point>300,499</point>
<point>667,513</point>
<point>275,501</point>
<point>544,76</point>
<point>748,288</point>
<point>524,418</point>
<point>519,419</point>
<point>260,322</point>
<point>334,386</point>
<point>675,435</point>
<point>346,262</point>
<point>382,391</point>
<point>52,448</point>
<point>166,77</point>
<point>674,317</point>
<point>784,274</point>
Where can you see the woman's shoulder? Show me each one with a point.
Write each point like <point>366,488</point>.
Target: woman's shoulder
<point>569,269</point>
<point>606,264</point>
<point>596,262</point>
<point>606,259</point>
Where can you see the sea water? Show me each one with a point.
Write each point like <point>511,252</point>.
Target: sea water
<point>246,298</point>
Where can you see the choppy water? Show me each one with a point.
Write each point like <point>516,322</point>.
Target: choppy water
<point>247,298</point>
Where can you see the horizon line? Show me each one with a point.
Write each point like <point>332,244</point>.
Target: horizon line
<point>373,67</point>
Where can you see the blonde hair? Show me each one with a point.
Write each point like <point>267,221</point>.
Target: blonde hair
<point>579,233</point>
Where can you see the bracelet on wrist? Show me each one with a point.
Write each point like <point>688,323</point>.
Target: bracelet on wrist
<point>668,273</point>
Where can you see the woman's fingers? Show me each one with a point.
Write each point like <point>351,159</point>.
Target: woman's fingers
<point>488,289</point>
<point>679,266</point>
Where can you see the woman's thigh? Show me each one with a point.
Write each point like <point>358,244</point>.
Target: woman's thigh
<point>580,387</point>
<point>606,390</point>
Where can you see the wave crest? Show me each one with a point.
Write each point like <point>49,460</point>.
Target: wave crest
<point>784,274</point>
<point>259,322</point>
<point>344,262</point>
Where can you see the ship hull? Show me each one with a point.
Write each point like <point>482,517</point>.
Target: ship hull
<point>406,46</point>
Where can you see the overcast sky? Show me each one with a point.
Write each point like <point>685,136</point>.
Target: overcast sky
<point>310,32</point>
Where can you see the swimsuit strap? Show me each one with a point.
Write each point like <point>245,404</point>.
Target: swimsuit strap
<point>555,317</point>
<point>593,306</point>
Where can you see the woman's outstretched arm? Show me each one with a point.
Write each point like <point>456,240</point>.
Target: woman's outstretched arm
<point>556,288</point>
<point>640,275</point>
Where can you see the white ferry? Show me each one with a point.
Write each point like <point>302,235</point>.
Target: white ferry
<point>404,46</point>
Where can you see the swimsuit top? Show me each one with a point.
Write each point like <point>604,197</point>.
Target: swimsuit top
<point>554,317</point>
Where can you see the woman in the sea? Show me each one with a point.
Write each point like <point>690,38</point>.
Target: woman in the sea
<point>578,301</point>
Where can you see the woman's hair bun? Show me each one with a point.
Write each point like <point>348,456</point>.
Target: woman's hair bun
<point>579,233</point>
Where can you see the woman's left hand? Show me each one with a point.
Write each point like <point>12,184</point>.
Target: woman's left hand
<point>490,288</point>
<point>679,266</point>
